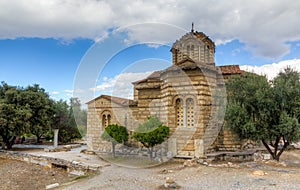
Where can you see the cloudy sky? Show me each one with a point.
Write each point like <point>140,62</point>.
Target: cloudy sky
<point>50,42</point>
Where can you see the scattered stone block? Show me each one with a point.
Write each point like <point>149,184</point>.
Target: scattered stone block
<point>170,184</point>
<point>75,162</point>
<point>266,156</point>
<point>52,186</point>
<point>85,151</point>
<point>259,173</point>
<point>77,173</point>
<point>169,180</point>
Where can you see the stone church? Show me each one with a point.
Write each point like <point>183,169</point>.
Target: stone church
<point>189,97</point>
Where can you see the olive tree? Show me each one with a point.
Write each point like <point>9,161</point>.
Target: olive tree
<point>151,133</point>
<point>115,134</point>
<point>263,111</point>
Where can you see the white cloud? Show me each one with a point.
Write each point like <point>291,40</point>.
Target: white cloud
<point>272,70</point>
<point>69,91</point>
<point>54,93</point>
<point>264,26</point>
<point>120,85</point>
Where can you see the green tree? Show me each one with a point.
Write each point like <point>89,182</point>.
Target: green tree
<point>151,133</point>
<point>14,117</point>
<point>80,115</point>
<point>287,92</point>
<point>115,134</point>
<point>41,108</point>
<point>255,111</point>
<point>64,121</point>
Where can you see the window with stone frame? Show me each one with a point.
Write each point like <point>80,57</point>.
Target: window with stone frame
<point>185,113</point>
<point>190,112</point>
<point>106,119</point>
<point>179,113</point>
<point>190,51</point>
<point>103,120</point>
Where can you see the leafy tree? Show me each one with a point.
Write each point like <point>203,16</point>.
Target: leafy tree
<point>80,115</point>
<point>14,117</point>
<point>41,108</point>
<point>286,92</point>
<point>258,110</point>
<point>151,133</point>
<point>30,110</point>
<point>115,134</point>
<point>64,121</point>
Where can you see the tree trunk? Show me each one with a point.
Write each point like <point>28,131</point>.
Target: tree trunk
<point>268,148</point>
<point>3,145</point>
<point>275,155</point>
<point>281,151</point>
<point>9,142</point>
<point>38,139</point>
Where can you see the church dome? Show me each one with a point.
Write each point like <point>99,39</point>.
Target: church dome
<point>194,46</point>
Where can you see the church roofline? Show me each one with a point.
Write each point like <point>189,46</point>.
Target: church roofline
<point>153,76</point>
<point>117,100</point>
<point>230,69</point>
<point>200,35</point>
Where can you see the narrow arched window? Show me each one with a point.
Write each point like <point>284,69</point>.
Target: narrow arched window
<point>179,113</point>
<point>108,119</point>
<point>104,121</point>
<point>190,112</point>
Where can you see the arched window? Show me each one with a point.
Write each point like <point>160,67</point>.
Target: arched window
<point>106,119</point>
<point>192,54</point>
<point>179,113</point>
<point>190,112</point>
<point>185,113</point>
<point>190,50</point>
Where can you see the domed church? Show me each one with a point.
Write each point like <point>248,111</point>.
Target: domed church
<point>189,97</point>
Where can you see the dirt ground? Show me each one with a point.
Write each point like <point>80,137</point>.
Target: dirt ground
<point>16,175</point>
<point>250,175</point>
<point>223,175</point>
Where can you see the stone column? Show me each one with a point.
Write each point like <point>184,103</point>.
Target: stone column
<point>55,138</point>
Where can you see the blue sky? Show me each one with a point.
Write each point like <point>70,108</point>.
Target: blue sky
<point>48,62</point>
<point>51,43</point>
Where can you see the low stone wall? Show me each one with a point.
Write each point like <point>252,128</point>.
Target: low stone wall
<point>69,166</point>
<point>159,152</point>
<point>232,156</point>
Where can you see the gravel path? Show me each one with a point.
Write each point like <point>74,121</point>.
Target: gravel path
<point>252,175</point>
<point>190,178</point>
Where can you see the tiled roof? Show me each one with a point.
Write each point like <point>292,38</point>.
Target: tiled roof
<point>230,69</point>
<point>117,100</point>
<point>154,75</point>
